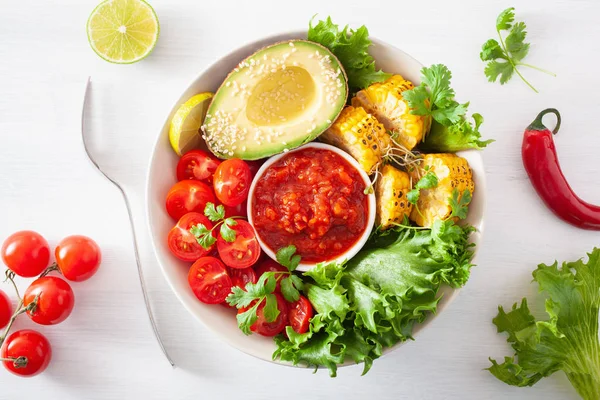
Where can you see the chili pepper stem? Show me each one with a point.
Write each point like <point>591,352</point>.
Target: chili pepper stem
<point>538,123</point>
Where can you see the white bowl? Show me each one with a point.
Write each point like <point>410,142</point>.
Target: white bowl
<point>351,252</point>
<point>161,176</point>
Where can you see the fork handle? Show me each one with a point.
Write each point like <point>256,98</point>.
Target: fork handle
<point>141,276</point>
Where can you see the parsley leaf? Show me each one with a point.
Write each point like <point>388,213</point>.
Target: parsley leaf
<point>451,130</point>
<point>288,290</point>
<point>271,312</point>
<point>214,214</point>
<point>351,47</point>
<point>427,181</point>
<point>460,203</point>
<point>203,235</point>
<point>567,340</point>
<point>246,319</point>
<point>509,51</point>
<point>226,232</point>
<point>285,256</point>
<point>434,97</point>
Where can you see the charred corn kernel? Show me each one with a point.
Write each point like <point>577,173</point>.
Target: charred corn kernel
<point>384,100</point>
<point>453,172</point>
<point>359,134</point>
<point>391,189</point>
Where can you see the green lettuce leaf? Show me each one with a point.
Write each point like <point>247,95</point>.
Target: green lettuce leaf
<point>351,47</point>
<point>375,300</point>
<point>460,136</point>
<point>568,340</point>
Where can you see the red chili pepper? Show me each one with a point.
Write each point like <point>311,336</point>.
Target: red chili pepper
<point>543,168</point>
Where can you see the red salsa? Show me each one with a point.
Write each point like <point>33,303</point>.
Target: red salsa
<point>313,199</point>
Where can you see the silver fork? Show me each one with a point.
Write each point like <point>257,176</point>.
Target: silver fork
<point>134,237</point>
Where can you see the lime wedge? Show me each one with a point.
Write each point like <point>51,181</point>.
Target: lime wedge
<point>123,31</point>
<point>184,133</point>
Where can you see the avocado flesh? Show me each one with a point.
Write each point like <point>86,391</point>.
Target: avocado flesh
<point>279,98</point>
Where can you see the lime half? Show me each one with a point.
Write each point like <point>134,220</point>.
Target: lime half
<point>123,31</point>
<point>184,133</point>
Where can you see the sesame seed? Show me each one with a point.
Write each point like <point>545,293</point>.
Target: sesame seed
<point>292,44</point>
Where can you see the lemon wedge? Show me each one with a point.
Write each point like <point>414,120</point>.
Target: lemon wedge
<point>123,31</point>
<point>184,133</point>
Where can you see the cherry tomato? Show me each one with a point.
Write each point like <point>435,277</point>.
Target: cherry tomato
<point>244,250</point>
<point>26,253</point>
<point>55,300</point>
<point>198,165</point>
<point>232,182</point>
<point>209,280</point>
<point>187,196</point>
<point>31,345</point>
<point>183,243</point>
<point>270,265</point>
<point>300,313</point>
<point>78,257</point>
<point>261,326</point>
<point>5,309</point>
<point>241,276</point>
<point>241,210</point>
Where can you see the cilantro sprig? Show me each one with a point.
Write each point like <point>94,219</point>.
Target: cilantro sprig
<point>427,181</point>
<point>434,97</point>
<point>255,294</point>
<point>505,56</point>
<point>460,203</point>
<point>205,236</point>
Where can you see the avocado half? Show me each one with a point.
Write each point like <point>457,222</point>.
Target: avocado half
<point>279,98</point>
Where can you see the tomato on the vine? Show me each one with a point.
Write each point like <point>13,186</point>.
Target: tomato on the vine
<point>55,300</point>
<point>300,313</point>
<point>209,280</point>
<point>244,250</point>
<point>183,243</point>
<point>261,326</point>
<point>5,309</point>
<point>29,353</point>
<point>232,181</point>
<point>26,253</point>
<point>270,265</point>
<point>187,196</point>
<point>197,164</point>
<point>78,257</point>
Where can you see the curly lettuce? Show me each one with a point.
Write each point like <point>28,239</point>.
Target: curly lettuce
<point>375,300</point>
<point>568,340</point>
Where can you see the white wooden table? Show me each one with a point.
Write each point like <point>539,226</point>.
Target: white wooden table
<point>105,350</point>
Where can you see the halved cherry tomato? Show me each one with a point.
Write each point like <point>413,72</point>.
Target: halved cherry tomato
<point>5,309</point>
<point>300,313</point>
<point>78,257</point>
<point>182,243</point>
<point>26,253</point>
<point>241,210</point>
<point>209,280</point>
<point>31,345</point>
<point>187,196</point>
<point>270,265</point>
<point>244,250</point>
<point>242,276</point>
<point>232,181</point>
<point>55,300</point>
<point>197,164</point>
<point>261,326</point>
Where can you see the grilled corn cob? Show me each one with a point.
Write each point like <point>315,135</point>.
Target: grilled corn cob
<point>361,135</point>
<point>453,172</point>
<point>391,189</point>
<point>384,100</point>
